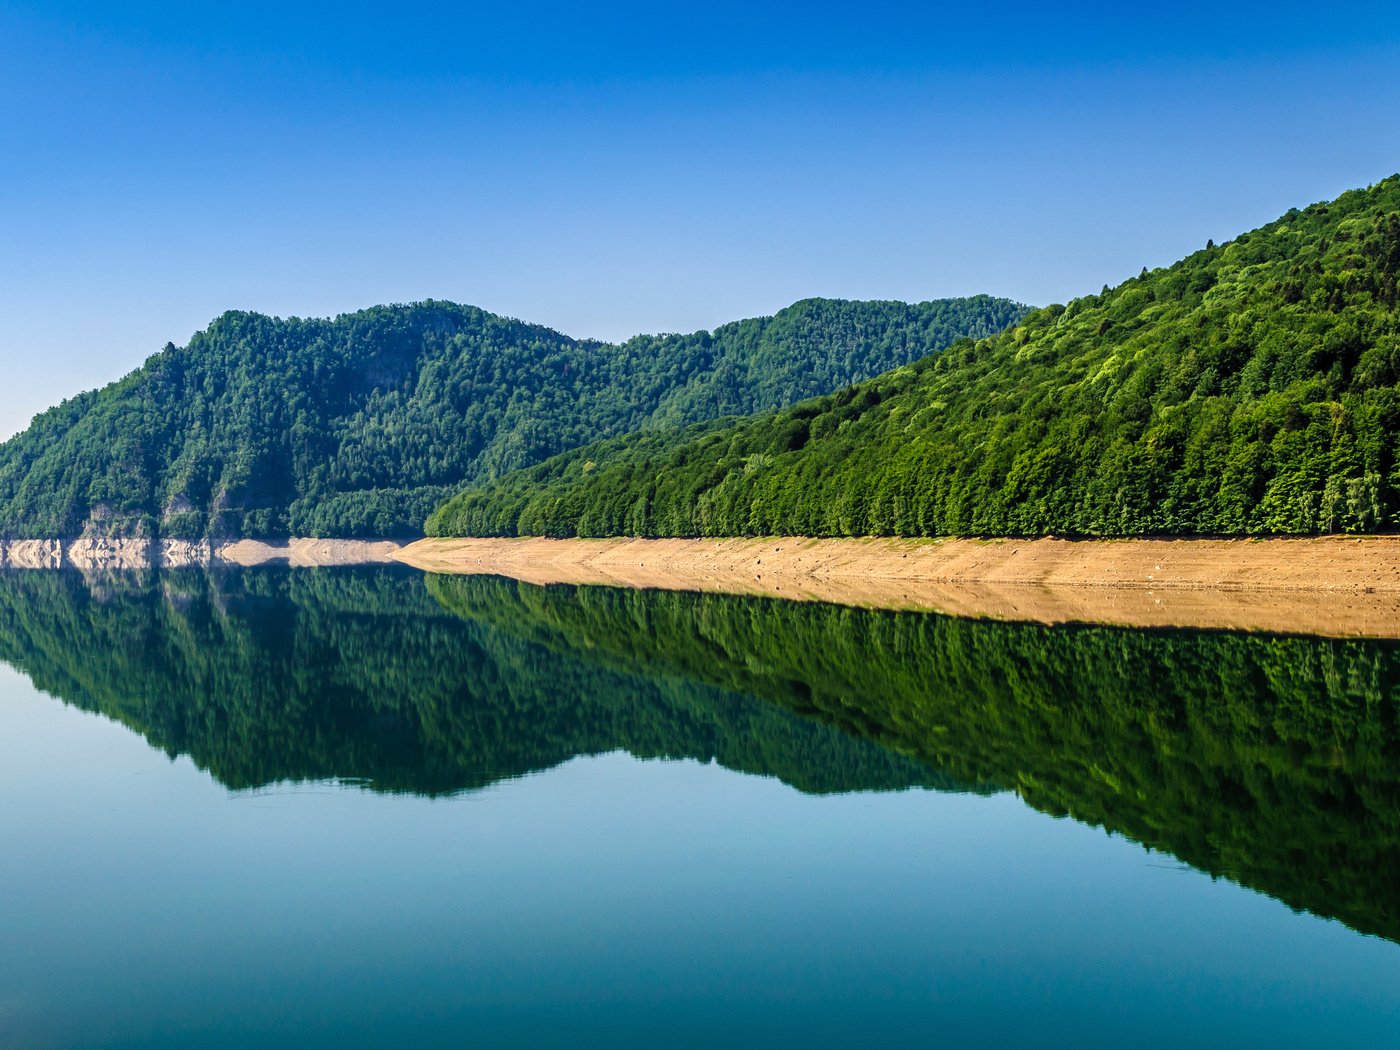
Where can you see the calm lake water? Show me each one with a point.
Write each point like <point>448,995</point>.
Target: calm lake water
<point>345,808</point>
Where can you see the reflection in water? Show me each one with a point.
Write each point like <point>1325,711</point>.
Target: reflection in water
<point>269,675</point>
<point>1274,761</point>
<point>1271,761</point>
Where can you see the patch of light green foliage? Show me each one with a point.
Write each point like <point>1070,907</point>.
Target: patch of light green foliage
<point>1250,388</point>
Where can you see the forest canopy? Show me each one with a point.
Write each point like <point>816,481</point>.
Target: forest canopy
<point>1251,388</point>
<point>360,425</point>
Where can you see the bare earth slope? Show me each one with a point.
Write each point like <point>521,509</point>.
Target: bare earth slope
<point>1332,585</point>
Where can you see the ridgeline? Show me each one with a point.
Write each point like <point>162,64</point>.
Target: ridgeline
<point>361,425</point>
<point>1248,389</point>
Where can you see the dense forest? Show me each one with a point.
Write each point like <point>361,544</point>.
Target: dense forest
<point>1249,388</point>
<point>1272,761</point>
<point>362,424</point>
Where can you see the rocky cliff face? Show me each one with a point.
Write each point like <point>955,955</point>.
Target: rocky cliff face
<point>90,552</point>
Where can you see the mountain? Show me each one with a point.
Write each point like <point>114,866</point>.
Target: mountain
<point>1250,388</point>
<point>360,425</point>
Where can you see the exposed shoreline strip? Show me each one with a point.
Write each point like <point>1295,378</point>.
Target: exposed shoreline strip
<point>105,554</point>
<point>1334,586</point>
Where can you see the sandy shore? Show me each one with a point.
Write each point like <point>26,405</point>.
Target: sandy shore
<point>1332,586</point>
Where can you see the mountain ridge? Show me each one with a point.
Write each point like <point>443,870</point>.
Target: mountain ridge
<point>360,424</point>
<point>1251,388</point>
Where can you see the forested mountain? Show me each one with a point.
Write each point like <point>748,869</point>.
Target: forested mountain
<point>360,425</point>
<point>1250,388</point>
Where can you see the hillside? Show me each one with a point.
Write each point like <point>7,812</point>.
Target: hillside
<point>1248,389</point>
<point>360,425</point>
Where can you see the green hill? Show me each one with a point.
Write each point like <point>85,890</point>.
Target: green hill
<point>1250,388</point>
<point>360,425</point>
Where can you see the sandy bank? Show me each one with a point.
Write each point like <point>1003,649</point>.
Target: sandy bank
<point>1332,586</point>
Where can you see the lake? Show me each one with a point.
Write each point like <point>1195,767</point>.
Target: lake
<point>369,807</point>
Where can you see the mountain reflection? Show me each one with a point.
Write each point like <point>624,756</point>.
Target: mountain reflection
<point>268,675</point>
<point>1273,761</point>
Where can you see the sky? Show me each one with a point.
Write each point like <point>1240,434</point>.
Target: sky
<point>612,169</point>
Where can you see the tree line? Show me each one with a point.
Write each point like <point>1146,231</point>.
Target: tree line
<point>1250,388</point>
<point>362,424</point>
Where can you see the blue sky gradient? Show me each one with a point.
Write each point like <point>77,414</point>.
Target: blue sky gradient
<point>632,167</point>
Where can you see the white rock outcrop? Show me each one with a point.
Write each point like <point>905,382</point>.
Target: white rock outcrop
<point>95,553</point>
<point>174,554</point>
<point>34,554</point>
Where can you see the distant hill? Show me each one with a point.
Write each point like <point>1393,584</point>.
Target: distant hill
<point>1250,388</point>
<point>362,424</point>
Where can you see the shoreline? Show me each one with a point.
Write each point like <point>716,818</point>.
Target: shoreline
<point>101,554</point>
<point>1332,586</point>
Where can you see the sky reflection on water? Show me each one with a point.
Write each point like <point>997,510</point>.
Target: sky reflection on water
<point>621,902</point>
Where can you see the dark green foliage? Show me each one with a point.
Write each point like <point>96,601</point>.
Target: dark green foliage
<point>1250,388</point>
<point>361,425</point>
<point>269,675</point>
<point>1272,761</point>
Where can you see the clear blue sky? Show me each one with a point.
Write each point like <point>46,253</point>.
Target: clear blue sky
<point>632,167</point>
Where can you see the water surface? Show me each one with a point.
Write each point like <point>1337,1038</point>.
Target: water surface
<point>364,808</point>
